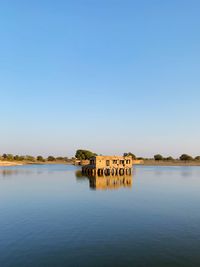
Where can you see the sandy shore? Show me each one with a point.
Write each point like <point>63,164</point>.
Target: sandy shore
<point>19,163</point>
<point>9,163</point>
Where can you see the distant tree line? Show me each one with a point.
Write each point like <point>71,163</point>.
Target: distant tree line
<point>183,157</point>
<point>159,157</point>
<point>11,157</point>
<point>82,154</point>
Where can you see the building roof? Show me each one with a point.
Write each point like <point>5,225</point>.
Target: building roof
<point>112,157</point>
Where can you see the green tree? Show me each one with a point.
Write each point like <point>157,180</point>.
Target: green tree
<point>29,158</point>
<point>40,158</point>
<point>51,158</point>
<point>158,157</point>
<point>197,158</point>
<point>4,156</point>
<point>84,154</point>
<point>59,158</point>
<point>16,157</point>
<point>129,154</point>
<point>8,156</point>
<point>21,158</point>
<point>185,157</point>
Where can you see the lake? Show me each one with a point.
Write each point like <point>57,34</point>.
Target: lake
<point>51,216</point>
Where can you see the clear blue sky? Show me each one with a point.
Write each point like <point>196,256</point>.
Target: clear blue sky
<point>106,75</point>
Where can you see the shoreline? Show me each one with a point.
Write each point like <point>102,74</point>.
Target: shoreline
<point>10,163</point>
<point>171,163</point>
<point>145,163</point>
<point>18,163</point>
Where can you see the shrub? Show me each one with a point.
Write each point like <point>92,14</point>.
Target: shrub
<point>158,157</point>
<point>16,157</point>
<point>169,158</point>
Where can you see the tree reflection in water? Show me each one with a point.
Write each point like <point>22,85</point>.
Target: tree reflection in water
<point>9,172</point>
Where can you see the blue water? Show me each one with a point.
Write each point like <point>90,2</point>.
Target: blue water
<point>50,216</point>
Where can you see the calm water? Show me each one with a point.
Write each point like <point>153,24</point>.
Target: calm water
<point>49,216</point>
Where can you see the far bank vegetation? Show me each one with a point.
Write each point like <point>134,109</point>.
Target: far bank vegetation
<point>82,154</point>
<point>33,159</point>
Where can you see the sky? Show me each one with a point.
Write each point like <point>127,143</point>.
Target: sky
<point>111,76</point>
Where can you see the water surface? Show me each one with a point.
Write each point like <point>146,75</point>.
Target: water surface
<point>51,216</point>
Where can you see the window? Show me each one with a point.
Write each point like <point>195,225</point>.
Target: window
<point>107,162</point>
<point>114,161</point>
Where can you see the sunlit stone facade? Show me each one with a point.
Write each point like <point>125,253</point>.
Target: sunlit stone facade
<point>108,165</point>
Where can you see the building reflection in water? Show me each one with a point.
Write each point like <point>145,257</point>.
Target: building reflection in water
<point>110,182</point>
<point>107,182</point>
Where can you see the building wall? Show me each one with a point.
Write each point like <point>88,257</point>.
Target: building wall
<point>101,162</point>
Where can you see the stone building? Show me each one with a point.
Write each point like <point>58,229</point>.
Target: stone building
<point>108,165</point>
